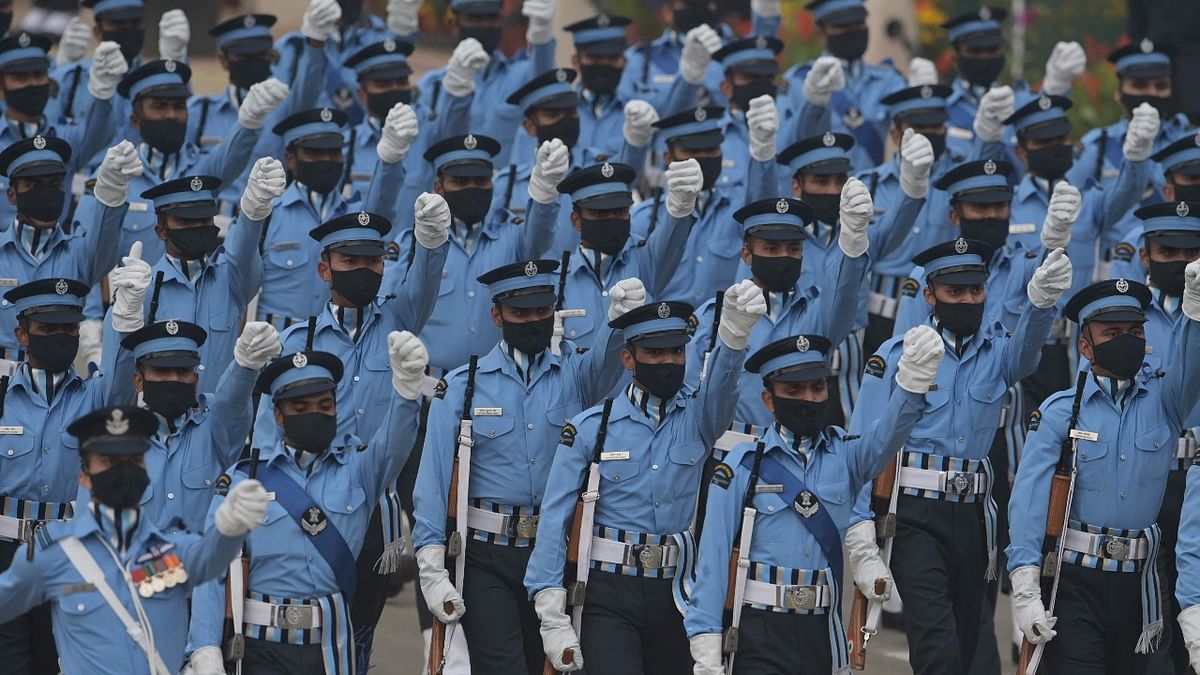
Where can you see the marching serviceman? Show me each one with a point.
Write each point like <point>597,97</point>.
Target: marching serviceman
<point>679,60</point>
<point>801,478</point>
<point>1180,163</point>
<point>119,586</point>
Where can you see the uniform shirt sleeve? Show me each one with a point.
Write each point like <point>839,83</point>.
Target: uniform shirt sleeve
<point>21,587</point>
<point>1030,500</point>
<point>230,416</point>
<point>894,226</point>
<point>417,292</point>
<point>389,448</point>
<point>717,402</point>
<point>1023,349</point>
<point>659,258</point>
<point>567,475</point>
<point>437,460</point>
<point>878,382</point>
<point>600,368</point>
<point>1181,381</point>
<point>96,251</point>
<point>722,515</point>
<point>386,181</point>
<point>537,234</point>
<point>231,156</point>
<point>839,308</point>
<point>911,310</point>
<point>1187,551</point>
<point>885,436</point>
<point>241,251</point>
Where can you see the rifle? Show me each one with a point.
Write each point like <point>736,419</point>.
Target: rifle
<point>1062,493</point>
<point>711,460</point>
<point>739,562</point>
<point>158,280</point>
<point>718,305</point>
<point>235,647</point>
<point>456,511</point>
<point>559,312</point>
<point>864,614</point>
<point>579,544</point>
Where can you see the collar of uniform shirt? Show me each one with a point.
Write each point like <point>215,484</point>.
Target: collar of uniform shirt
<point>118,526</point>
<point>349,319</point>
<point>1116,387</point>
<point>596,101</point>
<point>27,129</point>
<point>651,406</point>
<point>524,365</point>
<point>46,384</point>
<point>959,344</point>
<point>595,260</point>
<point>852,68</point>
<point>971,91</point>
<point>307,461</point>
<point>801,444</point>
<point>777,301</point>
<point>190,269</point>
<point>159,163</point>
<point>321,203</point>
<point>466,235</point>
<point>34,239</point>
<point>822,232</point>
<point>235,95</point>
<point>1169,303</point>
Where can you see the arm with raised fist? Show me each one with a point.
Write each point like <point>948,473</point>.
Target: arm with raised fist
<point>416,294</point>
<point>265,184</point>
<point>551,163</point>
<point>174,33</point>
<point>103,236</point>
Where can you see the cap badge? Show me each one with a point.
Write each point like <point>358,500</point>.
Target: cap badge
<point>23,40</point>
<point>116,424</point>
<point>1182,209</point>
<point>1122,286</point>
<point>389,45</point>
<point>470,142</point>
<point>828,139</point>
<point>989,167</point>
<point>802,344</point>
<point>1146,46</point>
<point>782,206</point>
<point>603,21</point>
<point>985,13</point>
<point>364,218</point>
<point>61,287</point>
<point>664,311</point>
<point>169,66</point>
<point>248,22</point>
<point>560,75</point>
<point>39,142</point>
<point>606,170</point>
<point>196,184</point>
<point>701,114</point>
<point>531,269</point>
<point>960,246</point>
<point>926,91</point>
<point>760,43</point>
<point>1044,103</point>
<point>172,327</point>
<point>326,115</point>
<point>299,360</point>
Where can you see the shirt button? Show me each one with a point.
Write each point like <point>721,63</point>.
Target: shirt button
<point>604,294</point>
<point>470,294</point>
<point>961,439</point>
<point>530,425</point>
<point>360,411</point>
<point>79,607</point>
<point>616,476</point>
<point>1122,457</point>
<point>572,333</point>
<point>200,367</point>
<point>207,481</point>
<point>808,552</point>
<point>491,433</point>
<point>958,401</point>
<point>916,230</point>
<point>289,263</point>
<point>654,466</point>
<point>45,451</point>
<point>699,258</point>
<point>10,452</point>
<point>349,507</point>
<point>658,503</point>
<point>770,509</point>
<point>45,488</point>
<point>1122,495</point>
<point>170,495</point>
<point>445,274</point>
<point>533,461</point>
<point>472,329</point>
<point>356,378</point>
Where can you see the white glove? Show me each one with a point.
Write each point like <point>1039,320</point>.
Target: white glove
<point>557,634</point>
<point>320,19</point>
<point>1143,129</point>
<point>1191,290</point>
<point>266,183</point>
<point>684,181</point>
<point>174,33</point>
<point>1031,616</point>
<point>75,42</point>
<point>399,130</point>
<point>626,296</point>
<point>553,160</point>
<point>994,107</point>
<point>916,162</point>
<point>919,361</point>
<point>1189,622</point>
<point>467,60</point>
<point>129,283</point>
<point>108,67</point>
<point>541,20</point>
<point>1067,61</point>
<point>763,120</point>
<point>119,166</point>
<point>244,508</point>
<point>824,78</point>
<point>706,650</point>
<point>1065,204</point>
<point>744,305</point>
<point>261,100</point>
<point>921,71</point>
<point>436,586</point>
<point>855,212</point>
<point>403,16</point>
<point>767,8</point>
<point>257,345</point>
<point>1050,280</point>
<point>408,358</point>
<point>432,216</point>
<point>865,563</point>
<point>699,45</point>
<point>640,117</point>
<point>207,661</point>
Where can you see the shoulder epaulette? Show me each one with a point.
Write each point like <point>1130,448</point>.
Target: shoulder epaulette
<point>582,350</point>
<point>1031,254</point>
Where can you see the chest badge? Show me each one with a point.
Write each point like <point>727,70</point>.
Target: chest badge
<point>806,504</point>
<point>314,521</point>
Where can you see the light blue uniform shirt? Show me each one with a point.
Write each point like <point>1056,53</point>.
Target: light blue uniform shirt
<point>339,83</point>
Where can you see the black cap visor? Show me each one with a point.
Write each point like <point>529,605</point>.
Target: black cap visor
<point>171,359</point>
<point>1185,168</point>
<point>55,314</point>
<point>304,388</point>
<point>780,232</point>
<point>960,276</point>
<point>321,141</point>
<point>115,445</point>
<point>529,298</point>
<point>1147,71</point>
<point>846,17</point>
<point>563,101</point>
<point>1117,315</point>
<point>192,210</point>
<point>1185,239</point>
<point>988,195</point>
<point>364,247</point>
<point>1048,130</point>
<point>924,117</point>
<point>704,141</point>
<point>827,167</point>
<point>391,71</point>
<point>121,14</point>
<point>43,168</point>
<point>664,340</point>
<point>612,200</point>
<point>255,45</point>
<point>27,65</point>
<point>165,91</point>
<point>604,48</point>
<point>467,168</point>
<point>763,67</point>
<point>984,39</point>
<point>802,373</point>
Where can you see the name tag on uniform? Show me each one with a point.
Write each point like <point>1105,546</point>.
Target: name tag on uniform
<point>728,163</point>
<point>488,412</point>
<point>72,589</point>
<point>1110,173</point>
<point>571,313</point>
<point>615,455</point>
<point>139,207</point>
<point>768,489</point>
<point>663,79</point>
<point>1022,228</point>
<point>7,281</point>
<point>1149,349</point>
<point>210,140</point>
<point>1080,434</point>
<point>959,132</point>
<point>285,246</point>
<point>12,431</point>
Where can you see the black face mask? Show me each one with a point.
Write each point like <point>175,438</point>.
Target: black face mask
<point>194,243</point>
<point>469,205</point>
<point>660,379</point>
<point>710,170</point>
<point>29,100</point>
<point>993,231</point>
<point>777,273</point>
<point>121,485</point>
<point>351,11</point>
<point>1052,161</point>
<point>607,235</point>
<point>689,16</point>
<point>938,143</point>
<point>169,399</point>
<point>980,71</point>
<point>359,286</point>
<point>249,71</point>
<point>1186,193</point>
<point>827,208</point>
<point>961,318</point>
<point>1168,276</point>
<point>488,36</point>
<point>129,39</point>
<point>850,45</point>
<point>565,130</point>
<point>379,105</point>
<point>744,93</point>
<point>321,176</point>
<point>803,418</point>
<point>531,337</point>
<point>600,78</point>
<point>164,135</point>
<point>55,352</point>
<point>1122,356</point>
<point>42,202</point>
<point>310,432</point>
<point>1165,105</point>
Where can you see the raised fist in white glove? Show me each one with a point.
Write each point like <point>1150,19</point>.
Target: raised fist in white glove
<point>684,181</point>
<point>465,63</point>
<point>257,345</point>
<point>921,71</point>
<point>865,563</point>
<point>823,78</point>
<point>855,212</point>
<point>75,42</point>
<point>174,32</point>
<point>1065,204</point>
<point>626,296</point>
<point>1191,290</point>
<point>763,120</point>
<point>1050,280</point>
<point>541,20</point>
<point>640,117</point>
<point>916,162</point>
<point>995,106</point>
<point>558,638</point>
<point>919,361</point>
<point>553,160</point>
<point>261,100</point>
<point>1189,622</point>
<point>1143,129</point>
<point>129,283</point>
<point>444,602</point>
<point>408,358</point>
<point>206,661</point>
<point>244,508</point>
<point>432,215</point>
<point>744,305</point>
<point>403,16</point>
<point>399,130</point>
<point>706,653</point>
<point>1031,616</point>
<point>119,166</point>
<point>699,45</point>
<point>108,67</point>
<point>266,183</point>
<point>320,19</point>
<point>1067,61</point>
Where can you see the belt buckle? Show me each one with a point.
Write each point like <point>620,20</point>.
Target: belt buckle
<point>1114,548</point>
<point>649,556</point>
<point>799,597</point>
<point>294,617</point>
<point>960,483</point>
<point>523,527</point>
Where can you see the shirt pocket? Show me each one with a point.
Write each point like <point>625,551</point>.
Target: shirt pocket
<point>286,256</point>
<point>577,327</point>
<point>559,415</point>
<point>770,505</point>
<point>200,476</point>
<point>16,446</point>
<point>223,316</point>
<point>493,426</point>
<point>339,499</point>
<point>1156,448</point>
<point>833,486</point>
<point>1093,473</point>
<point>932,424</point>
<point>81,608</point>
<point>685,457</point>
<point>280,537</point>
<point>987,404</point>
<point>619,471</point>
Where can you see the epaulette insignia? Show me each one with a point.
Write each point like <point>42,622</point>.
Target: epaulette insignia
<point>722,475</point>
<point>222,487</point>
<point>393,252</point>
<point>439,389</point>
<point>582,350</point>
<point>1035,420</point>
<point>875,366</point>
<point>851,437</point>
<point>909,288</point>
<point>641,242</point>
<point>567,437</point>
<point>1123,251</point>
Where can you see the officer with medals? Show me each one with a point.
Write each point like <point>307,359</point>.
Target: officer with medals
<point>642,484</point>
<point>802,485</point>
<point>1115,432</point>
<point>1180,162</point>
<point>523,396</point>
<point>117,585</point>
<point>944,550</point>
<point>294,602</point>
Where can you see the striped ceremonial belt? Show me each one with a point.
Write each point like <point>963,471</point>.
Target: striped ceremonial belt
<point>634,554</point>
<point>502,524</point>
<point>321,621</point>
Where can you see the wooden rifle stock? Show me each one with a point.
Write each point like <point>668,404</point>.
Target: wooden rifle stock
<point>881,487</point>
<point>881,501</point>
<point>1027,648</point>
<point>576,525</point>
<point>437,647</point>
<point>858,619</point>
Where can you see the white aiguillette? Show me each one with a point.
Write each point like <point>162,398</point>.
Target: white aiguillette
<point>614,455</point>
<point>488,412</point>
<point>11,430</point>
<point>1080,434</point>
